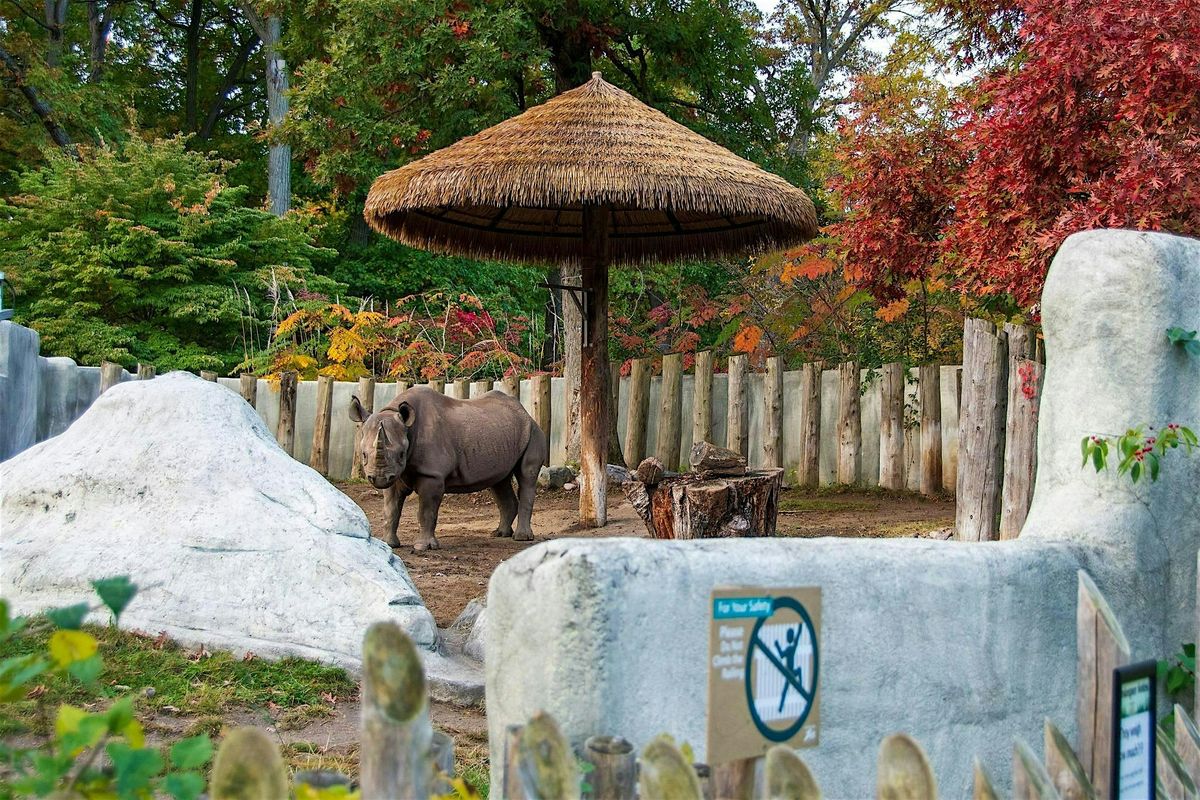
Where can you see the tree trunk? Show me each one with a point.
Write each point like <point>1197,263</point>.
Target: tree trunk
<point>56,21</point>
<point>279,160</point>
<point>191,62</point>
<point>36,103</point>
<point>593,417</point>
<point>99,27</point>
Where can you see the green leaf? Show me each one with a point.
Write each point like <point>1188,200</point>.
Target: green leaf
<point>1098,460</point>
<point>1153,461</point>
<point>192,752</point>
<point>1083,447</point>
<point>1192,347</point>
<point>119,715</point>
<point>1135,471</point>
<point>183,785</point>
<point>115,593</point>
<point>88,670</point>
<point>134,767</point>
<point>69,617</point>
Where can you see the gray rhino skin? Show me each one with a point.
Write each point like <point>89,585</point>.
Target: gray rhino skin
<point>428,443</point>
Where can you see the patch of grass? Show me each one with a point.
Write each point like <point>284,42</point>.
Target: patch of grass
<point>295,718</point>
<point>914,528</point>
<point>473,766</point>
<point>308,755</point>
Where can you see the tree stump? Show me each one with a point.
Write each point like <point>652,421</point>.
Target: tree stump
<point>695,506</point>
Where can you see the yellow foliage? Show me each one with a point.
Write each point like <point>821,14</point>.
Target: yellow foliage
<point>290,323</point>
<point>67,647</point>
<point>893,311</point>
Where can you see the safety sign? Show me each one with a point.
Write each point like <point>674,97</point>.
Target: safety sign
<point>764,671</point>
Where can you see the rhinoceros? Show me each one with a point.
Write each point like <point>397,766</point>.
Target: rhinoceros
<point>428,443</point>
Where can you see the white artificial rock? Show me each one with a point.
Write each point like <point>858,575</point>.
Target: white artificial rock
<point>963,645</point>
<point>178,484</point>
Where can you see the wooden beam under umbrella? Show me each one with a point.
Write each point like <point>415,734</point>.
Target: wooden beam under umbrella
<point>594,177</point>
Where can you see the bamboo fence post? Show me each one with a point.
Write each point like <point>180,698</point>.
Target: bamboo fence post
<point>849,424</point>
<point>285,429</point>
<point>248,767</point>
<point>110,375</point>
<point>702,398</point>
<point>891,427</point>
<point>810,425</point>
<point>512,788</point>
<point>614,768</point>
<point>208,375</point>
<point>249,387</point>
<point>639,410</point>
<point>539,391</point>
<point>980,431</point>
<point>145,371</point>
<point>666,774</point>
<point>1020,445</point>
<point>511,386</point>
<point>460,389</point>
<point>787,777</point>
<point>319,456</point>
<point>1102,647</point>
<point>396,734</point>
<point>1062,765</point>
<point>670,417</point>
<point>982,788</point>
<point>546,763</point>
<point>1187,742</point>
<point>903,771</point>
<point>479,389</point>
<point>733,780</point>
<point>1030,779</point>
<point>930,387</point>
<point>438,385</point>
<point>737,420</point>
<point>366,396</point>
<point>773,413</point>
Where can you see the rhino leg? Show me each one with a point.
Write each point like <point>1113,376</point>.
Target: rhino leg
<point>527,474</point>
<point>393,504</point>
<point>430,493</point>
<point>506,501</point>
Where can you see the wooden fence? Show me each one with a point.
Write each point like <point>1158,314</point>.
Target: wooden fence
<point>401,755</point>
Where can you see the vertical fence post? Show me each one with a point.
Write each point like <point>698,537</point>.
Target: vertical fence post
<point>773,413</point>
<point>1066,773</point>
<point>145,371</point>
<point>903,771</point>
<point>511,386</point>
<point>614,767</point>
<point>110,375</point>
<point>1030,779</point>
<point>615,454</point>
<point>366,396</point>
<point>539,392</point>
<point>285,429</point>
<point>249,387</point>
<point>980,431</point>
<point>891,427</point>
<point>208,375</point>
<point>849,423</point>
<point>460,389</point>
<point>1102,647</point>
<point>786,775</point>
<point>1020,445</point>
<point>319,457</point>
<point>930,387</point>
<point>702,398</point>
<point>479,389</point>
<point>951,379</point>
<point>810,425</point>
<point>248,765</point>
<point>396,734</point>
<point>666,448</point>
<point>982,788</point>
<point>737,421</point>
<point>639,410</point>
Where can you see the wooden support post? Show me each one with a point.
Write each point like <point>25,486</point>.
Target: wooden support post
<point>639,411</point>
<point>670,416</point>
<point>438,385</point>
<point>461,389</point>
<point>511,386</point>
<point>810,425</point>
<point>593,397</point>
<point>773,413</point>
<point>614,768</point>
<point>903,770</point>
<point>208,375</point>
<point>1102,647</point>
<point>737,420</point>
<point>891,427</point>
<point>110,375</point>
<point>479,389</point>
<point>145,371</point>
<point>546,763</point>
<point>930,388</point>
<point>1063,767</point>
<point>982,784</point>
<point>396,734</point>
<point>366,396</point>
<point>285,429</point>
<point>248,767</point>
<point>539,392</point>
<point>666,774</point>
<point>1187,743</point>
<point>702,398</point>
<point>980,431</point>
<point>787,776</point>
<point>1030,779</point>
<point>318,457</point>
<point>249,387</point>
<point>849,424</point>
<point>1020,445</point>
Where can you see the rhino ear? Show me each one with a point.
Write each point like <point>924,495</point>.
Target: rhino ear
<point>406,414</point>
<point>357,412</point>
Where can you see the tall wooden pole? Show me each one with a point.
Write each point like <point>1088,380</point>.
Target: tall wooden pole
<point>593,395</point>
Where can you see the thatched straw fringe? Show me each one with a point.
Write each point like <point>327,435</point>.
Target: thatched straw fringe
<point>514,190</point>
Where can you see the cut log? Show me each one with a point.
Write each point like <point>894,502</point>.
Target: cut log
<point>650,471</point>
<point>709,461</point>
<point>691,507</point>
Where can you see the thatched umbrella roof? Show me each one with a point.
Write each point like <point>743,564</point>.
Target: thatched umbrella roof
<point>515,191</point>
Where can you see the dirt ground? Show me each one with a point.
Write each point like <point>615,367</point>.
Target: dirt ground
<point>448,578</point>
